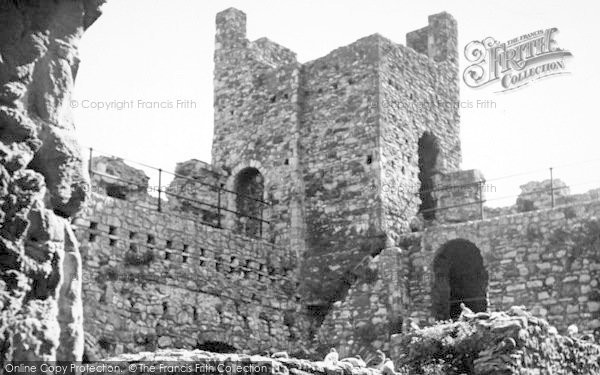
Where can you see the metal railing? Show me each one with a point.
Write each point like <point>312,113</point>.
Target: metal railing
<point>218,210</point>
<point>551,190</point>
<point>219,206</point>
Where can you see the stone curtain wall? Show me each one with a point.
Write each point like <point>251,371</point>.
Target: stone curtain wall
<point>530,259</point>
<point>418,93</point>
<point>42,182</point>
<point>547,260</point>
<point>155,279</point>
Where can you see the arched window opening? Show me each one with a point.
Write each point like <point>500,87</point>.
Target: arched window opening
<point>249,187</point>
<point>216,347</point>
<point>459,277</point>
<point>428,158</point>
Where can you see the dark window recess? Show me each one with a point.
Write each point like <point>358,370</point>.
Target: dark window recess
<point>131,235</point>
<point>93,225</point>
<point>116,191</point>
<point>151,240</point>
<point>167,255</point>
<point>112,230</point>
<point>165,307</point>
<point>112,242</point>
<point>369,159</point>
<point>92,237</point>
<point>132,247</point>
<point>184,256</point>
<point>286,162</point>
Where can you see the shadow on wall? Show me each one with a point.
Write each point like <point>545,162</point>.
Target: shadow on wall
<point>459,277</point>
<point>428,150</point>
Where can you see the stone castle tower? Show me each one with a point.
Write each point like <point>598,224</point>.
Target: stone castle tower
<point>340,145</point>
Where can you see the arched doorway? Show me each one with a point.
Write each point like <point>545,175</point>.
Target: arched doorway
<point>459,277</point>
<point>428,151</point>
<point>249,188</point>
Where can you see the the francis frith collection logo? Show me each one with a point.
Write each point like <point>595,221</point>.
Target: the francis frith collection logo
<point>515,63</point>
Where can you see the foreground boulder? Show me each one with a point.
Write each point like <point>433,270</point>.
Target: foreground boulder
<point>43,181</point>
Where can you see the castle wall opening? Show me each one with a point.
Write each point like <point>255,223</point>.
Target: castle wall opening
<point>428,151</point>
<point>249,187</point>
<point>459,277</point>
<point>216,347</point>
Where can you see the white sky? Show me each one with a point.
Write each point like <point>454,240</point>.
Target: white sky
<point>162,50</point>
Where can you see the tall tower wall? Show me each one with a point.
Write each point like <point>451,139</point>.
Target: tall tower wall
<point>339,138</point>
<point>256,120</point>
<point>419,119</point>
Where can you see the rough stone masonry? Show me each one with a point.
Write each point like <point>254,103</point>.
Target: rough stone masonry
<point>42,180</point>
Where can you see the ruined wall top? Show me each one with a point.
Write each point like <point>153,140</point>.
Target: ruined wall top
<point>438,40</point>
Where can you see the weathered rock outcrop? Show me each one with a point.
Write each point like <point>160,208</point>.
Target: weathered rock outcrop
<point>42,179</point>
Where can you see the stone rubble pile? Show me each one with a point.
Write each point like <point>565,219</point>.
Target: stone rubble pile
<point>232,363</point>
<point>512,342</point>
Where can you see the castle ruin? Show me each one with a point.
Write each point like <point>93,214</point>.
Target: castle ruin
<point>334,213</point>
